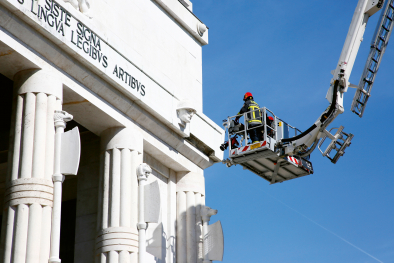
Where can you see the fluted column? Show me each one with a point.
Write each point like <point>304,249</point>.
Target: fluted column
<point>117,238</point>
<point>190,197</point>
<point>29,187</point>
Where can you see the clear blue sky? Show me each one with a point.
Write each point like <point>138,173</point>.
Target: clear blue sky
<point>283,52</point>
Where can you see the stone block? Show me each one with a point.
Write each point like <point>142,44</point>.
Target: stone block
<point>85,229</point>
<point>87,201</point>
<point>88,176</point>
<point>84,252</point>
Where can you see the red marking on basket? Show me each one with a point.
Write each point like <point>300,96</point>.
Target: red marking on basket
<point>292,159</point>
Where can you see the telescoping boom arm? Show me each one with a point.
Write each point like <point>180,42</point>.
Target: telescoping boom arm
<point>304,143</point>
<point>277,156</point>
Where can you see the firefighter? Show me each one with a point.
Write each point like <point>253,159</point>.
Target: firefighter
<point>253,118</point>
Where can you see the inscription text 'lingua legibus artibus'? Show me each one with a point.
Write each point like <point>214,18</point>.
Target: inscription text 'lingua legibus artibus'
<point>81,36</point>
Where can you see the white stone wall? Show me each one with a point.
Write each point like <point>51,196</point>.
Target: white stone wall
<point>158,39</point>
<point>154,42</point>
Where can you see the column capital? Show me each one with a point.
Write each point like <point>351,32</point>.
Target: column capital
<point>121,138</point>
<point>61,117</point>
<point>190,182</point>
<point>143,172</point>
<point>37,81</point>
<point>207,212</point>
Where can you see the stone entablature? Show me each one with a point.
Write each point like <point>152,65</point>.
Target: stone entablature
<point>187,4</point>
<point>82,102</point>
<point>112,65</point>
<point>184,16</point>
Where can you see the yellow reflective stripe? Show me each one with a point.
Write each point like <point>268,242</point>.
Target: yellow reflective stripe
<point>254,108</point>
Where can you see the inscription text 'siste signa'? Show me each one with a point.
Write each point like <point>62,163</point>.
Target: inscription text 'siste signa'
<point>60,23</point>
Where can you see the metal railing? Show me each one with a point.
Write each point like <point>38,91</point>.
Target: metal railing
<point>296,131</point>
<point>267,131</point>
<point>242,128</point>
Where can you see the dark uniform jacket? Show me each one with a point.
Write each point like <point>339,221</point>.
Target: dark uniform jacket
<point>252,117</point>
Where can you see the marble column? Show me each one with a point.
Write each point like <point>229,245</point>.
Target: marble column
<point>29,188</point>
<point>190,197</point>
<point>117,238</point>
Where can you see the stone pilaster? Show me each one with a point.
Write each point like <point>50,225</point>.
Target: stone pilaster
<point>190,197</point>
<point>117,238</point>
<point>29,188</point>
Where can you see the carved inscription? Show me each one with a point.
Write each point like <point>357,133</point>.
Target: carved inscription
<point>64,26</point>
<point>129,80</point>
<point>52,14</point>
<point>90,43</point>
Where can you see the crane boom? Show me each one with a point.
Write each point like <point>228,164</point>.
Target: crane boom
<point>378,47</point>
<point>279,157</point>
<point>338,86</point>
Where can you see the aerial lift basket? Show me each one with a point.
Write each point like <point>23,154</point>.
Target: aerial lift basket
<point>264,158</point>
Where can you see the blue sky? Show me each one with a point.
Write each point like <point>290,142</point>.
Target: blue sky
<point>283,52</point>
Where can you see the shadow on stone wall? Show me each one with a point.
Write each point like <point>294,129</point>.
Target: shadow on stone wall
<point>67,231</point>
<point>155,244</point>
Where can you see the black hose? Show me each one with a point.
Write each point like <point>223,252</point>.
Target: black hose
<point>300,135</point>
<point>333,105</point>
<point>323,118</point>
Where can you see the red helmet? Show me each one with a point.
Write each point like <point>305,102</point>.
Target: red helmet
<point>247,95</point>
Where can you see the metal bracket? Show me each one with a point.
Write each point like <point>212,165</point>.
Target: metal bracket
<point>276,169</point>
<point>228,162</point>
<point>340,139</point>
